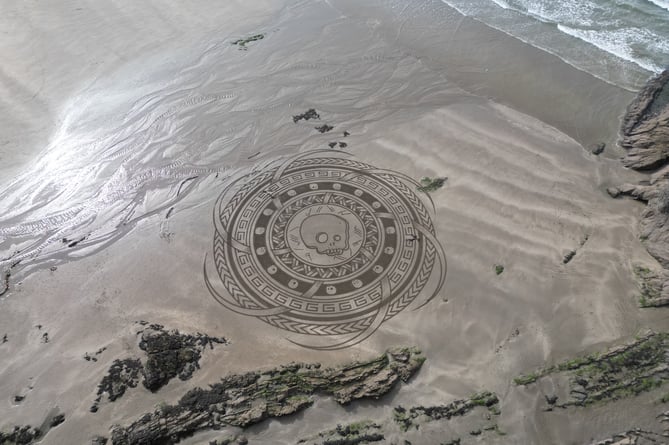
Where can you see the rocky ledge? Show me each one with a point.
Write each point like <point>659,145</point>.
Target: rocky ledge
<point>408,418</point>
<point>645,128</point>
<point>624,371</point>
<point>633,437</point>
<point>645,136</point>
<point>245,399</point>
<point>353,434</point>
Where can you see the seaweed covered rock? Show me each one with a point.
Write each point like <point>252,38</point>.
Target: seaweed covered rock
<point>406,418</point>
<point>352,434</point>
<point>244,399</point>
<point>633,437</point>
<point>623,371</point>
<point>645,128</point>
<point>653,286</point>
<point>171,354</point>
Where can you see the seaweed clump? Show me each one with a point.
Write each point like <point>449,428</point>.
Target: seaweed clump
<point>429,185</point>
<point>241,43</point>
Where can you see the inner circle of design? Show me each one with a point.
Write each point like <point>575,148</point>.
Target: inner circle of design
<point>325,235</point>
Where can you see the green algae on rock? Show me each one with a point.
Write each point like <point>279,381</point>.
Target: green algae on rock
<point>620,372</point>
<point>429,185</point>
<point>355,433</point>
<point>651,284</point>
<point>407,418</point>
<point>245,399</point>
<point>241,43</point>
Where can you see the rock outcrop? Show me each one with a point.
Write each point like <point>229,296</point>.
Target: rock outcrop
<point>645,134</point>
<point>408,418</point>
<point>624,371</point>
<point>633,437</point>
<point>169,354</point>
<point>245,399</point>
<point>352,434</point>
<point>172,354</point>
<point>645,129</point>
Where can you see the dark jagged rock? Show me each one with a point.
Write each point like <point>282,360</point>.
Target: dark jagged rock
<point>241,43</point>
<point>324,128</point>
<point>307,115</point>
<point>122,374</point>
<point>99,440</point>
<point>407,418</point>
<point>169,354</point>
<point>645,128</point>
<point>245,399</point>
<point>20,435</point>
<point>172,354</point>
<point>352,434</point>
<point>597,149</point>
<point>623,371</point>
<point>569,256</point>
<point>57,420</point>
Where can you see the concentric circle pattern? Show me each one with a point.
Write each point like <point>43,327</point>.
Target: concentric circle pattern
<point>324,246</point>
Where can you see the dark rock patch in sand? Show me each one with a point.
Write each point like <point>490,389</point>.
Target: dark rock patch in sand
<point>241,43</point>
<point>245,399</point>
<point>324,128</point>
<point>122,374</point>
<point>172,354</point>
<point>307,115</point>
<point>20,435</point>
<point>169,354</point>
<point>597,149</point>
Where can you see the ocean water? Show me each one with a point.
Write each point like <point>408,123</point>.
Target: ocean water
<point>616,40</point>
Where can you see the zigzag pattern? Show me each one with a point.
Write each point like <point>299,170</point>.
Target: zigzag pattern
<point>322,329</point>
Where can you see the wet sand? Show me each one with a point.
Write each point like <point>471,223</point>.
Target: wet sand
<point>522,192</point>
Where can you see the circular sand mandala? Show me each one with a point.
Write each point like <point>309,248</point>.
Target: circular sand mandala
<point>324,246</point>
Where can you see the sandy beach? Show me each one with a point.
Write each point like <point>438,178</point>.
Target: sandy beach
<point>123,124</point>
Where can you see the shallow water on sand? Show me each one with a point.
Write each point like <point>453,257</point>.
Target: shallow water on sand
<point>135,144</point>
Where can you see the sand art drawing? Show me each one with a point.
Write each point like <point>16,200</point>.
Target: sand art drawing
<point>324,246</point>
